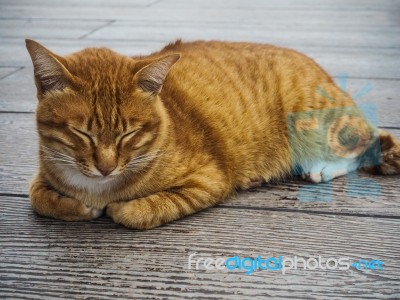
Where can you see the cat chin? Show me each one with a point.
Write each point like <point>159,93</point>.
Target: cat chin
<point>92,185</point>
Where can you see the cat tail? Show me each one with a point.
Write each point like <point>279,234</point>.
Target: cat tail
<point>389,156</point>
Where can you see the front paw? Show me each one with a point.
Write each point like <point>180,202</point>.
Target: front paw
<point>115,211</point>
<point>49,203</point>
<point>74,210</point>
<point>63,208</point>
<point>95,212</point>
<point>135,214</point>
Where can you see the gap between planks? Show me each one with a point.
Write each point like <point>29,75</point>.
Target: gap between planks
<point>271,209</point>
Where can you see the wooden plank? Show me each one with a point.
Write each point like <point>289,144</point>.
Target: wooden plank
<point>357,194</point>
<point>48,29</point>
<point>20,168</point>
<point>18,92</point>
<point>302,35</point>
<point>363,63</point>
<point>342,5</point>
<point>340,18</point>
<point>48,258</point>
<point>384,94</point>
<point>92,3</point>
<point>360,195</point>
<point>237,4</point>
<point>5,71</point>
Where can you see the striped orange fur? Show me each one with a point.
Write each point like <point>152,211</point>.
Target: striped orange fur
<point>152,139</point>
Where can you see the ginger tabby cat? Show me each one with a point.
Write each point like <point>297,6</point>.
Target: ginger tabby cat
<point>152,139</point>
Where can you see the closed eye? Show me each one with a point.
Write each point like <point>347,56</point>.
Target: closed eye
<point>130,134</point>
<point>82,133</point>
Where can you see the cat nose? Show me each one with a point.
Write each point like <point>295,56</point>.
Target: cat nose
<point>106,168</point>
<point>105,160</point>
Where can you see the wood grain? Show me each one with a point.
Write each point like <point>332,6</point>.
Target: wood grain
<point>338,5</point>
<point>47,29</point>
<point>355,194</point>
<point>317,17</point>
<point>276,34</point>
<point>69,3</point>
<point>5,71</point>
<point>48,258</point>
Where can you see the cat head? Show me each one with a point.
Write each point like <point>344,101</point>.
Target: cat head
<point>99,112</point>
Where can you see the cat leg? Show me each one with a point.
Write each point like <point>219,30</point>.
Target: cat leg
<point>49,203</point>
<point>254,183</point>
<point>166,206</point>
<point>161,208</point>
<point>325,171</point>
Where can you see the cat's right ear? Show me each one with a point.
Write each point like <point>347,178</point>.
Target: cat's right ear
<point>49,69</point>
<point>151,77</point>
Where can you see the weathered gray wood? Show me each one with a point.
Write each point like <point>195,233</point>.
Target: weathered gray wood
<point>318,17</point>
<point>18,91</point>
<point>342,5</point>
<point>364,63</point>
<point>5,71</point>
<point>364,5</point>
<point>45,4</point>
<point>360,195</point>
<point>48,29</point>
<point>47,258</point>
<point>384,95</point>
<point>303,35</point>
<point>354,194</point>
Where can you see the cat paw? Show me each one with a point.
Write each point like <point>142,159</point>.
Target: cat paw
<point>49,203</point>
<point>326,171</point>
<point>113,210</point>
<point>118,211</point>
<point>95,212</point>
<point>312,177</point>
<point>78,211</point>
<point>136,214</point>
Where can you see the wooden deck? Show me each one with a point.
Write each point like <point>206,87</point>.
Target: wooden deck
<point>356,217</point>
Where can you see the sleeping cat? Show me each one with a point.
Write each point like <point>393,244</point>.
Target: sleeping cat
<point>152,139</point>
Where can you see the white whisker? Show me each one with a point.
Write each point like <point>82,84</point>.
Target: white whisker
<point>144,159</point>
<point>53,155</point>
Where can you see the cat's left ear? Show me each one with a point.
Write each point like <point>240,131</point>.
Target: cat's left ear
<point>151,77</point>
<point>49,69</point>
